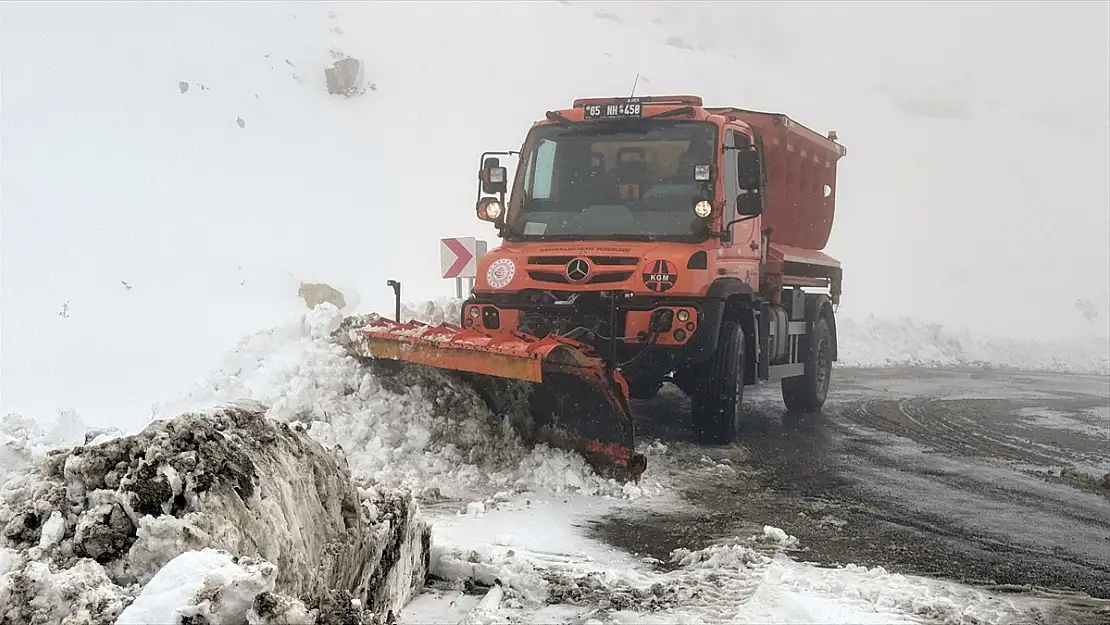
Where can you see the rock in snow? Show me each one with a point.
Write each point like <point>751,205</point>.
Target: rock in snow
<point>231,511</point>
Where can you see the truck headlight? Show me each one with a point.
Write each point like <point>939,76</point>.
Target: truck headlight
<point>703,209</point>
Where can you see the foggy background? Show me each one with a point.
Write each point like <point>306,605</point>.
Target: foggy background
<point>144,230</point>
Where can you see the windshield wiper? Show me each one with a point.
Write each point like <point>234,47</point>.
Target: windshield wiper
<point>585,237</point>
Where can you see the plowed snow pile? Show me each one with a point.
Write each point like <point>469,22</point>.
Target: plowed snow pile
<point>424,432</point>
<point>223,516</point>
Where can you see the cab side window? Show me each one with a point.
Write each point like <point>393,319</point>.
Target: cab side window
<point>732,189</point>
<point>543,169</point>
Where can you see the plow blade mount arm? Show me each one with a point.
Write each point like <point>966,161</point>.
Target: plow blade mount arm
<point>551,389</point>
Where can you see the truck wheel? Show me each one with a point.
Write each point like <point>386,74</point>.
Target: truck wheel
<point>807,392</point>
<point>716,405</point>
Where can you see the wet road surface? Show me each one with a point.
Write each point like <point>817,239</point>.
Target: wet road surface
<point>993,478</point>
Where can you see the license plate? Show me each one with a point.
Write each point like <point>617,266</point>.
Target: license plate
<point>616,110</point>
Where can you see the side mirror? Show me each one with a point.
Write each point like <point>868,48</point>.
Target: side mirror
<point>749,170</point>
<point>749,203</point>
<point>490,209</point>
<point>494,177</point>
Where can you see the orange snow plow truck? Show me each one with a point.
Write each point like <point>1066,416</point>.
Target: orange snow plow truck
<point>645,240</point>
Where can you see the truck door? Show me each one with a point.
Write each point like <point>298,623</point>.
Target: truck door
<point>743,251</point>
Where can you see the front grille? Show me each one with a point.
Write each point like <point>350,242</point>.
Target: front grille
<point>608,278</point>
<point>597,260</point>
<point>615,260</point>
<point>600,278</point>
<point>548,276</point>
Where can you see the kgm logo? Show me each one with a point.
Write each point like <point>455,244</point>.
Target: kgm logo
<point>661,275</point>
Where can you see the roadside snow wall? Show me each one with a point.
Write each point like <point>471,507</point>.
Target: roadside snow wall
<point>94,524</point>
<point>873,342</point>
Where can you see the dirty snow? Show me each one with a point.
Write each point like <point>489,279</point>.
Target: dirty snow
<point>93,524</point>
<point>539,569</point>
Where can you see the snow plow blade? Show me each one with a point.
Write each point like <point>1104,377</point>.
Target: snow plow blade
<point>551,390</point>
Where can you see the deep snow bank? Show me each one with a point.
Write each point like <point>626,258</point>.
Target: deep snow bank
<point>875,342</point>
<point>92,525</point>
<point>442,310</point>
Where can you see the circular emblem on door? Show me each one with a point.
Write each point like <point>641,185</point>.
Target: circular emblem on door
<point>578,270</point>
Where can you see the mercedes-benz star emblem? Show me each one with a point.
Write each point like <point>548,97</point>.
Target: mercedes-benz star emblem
<point>578,269</point>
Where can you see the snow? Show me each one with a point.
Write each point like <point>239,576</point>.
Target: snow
<point>501,515</point>
<point>23,440</point>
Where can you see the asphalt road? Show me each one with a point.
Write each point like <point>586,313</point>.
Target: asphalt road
<point>998,479</point>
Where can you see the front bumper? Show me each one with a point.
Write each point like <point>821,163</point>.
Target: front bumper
<point>626,316</point>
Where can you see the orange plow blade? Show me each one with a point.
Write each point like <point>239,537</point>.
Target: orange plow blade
<point>552,390</point>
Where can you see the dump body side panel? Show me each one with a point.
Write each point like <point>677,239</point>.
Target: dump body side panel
<point>801,178</point>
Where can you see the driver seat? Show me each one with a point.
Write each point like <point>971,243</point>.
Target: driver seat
<point>631,173</point>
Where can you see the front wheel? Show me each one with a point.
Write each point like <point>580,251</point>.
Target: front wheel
<point>719,394</point>
<point>807,392</point>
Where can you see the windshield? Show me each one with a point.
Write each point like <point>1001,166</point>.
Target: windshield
<point>614,180</point>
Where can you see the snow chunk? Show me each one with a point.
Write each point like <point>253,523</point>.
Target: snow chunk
<point>52,531</point>
<point>207,583</point>
<point>774,534</point>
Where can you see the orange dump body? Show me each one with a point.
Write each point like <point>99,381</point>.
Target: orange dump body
<point>801,178</point>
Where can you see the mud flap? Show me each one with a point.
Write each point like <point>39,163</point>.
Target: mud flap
<point>551,389</point>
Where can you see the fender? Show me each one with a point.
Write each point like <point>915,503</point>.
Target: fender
<point>818,305</point>
<point>704,343</point>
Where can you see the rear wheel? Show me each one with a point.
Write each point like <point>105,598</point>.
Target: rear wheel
<point>717,400</point>
<point>807,392</point>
